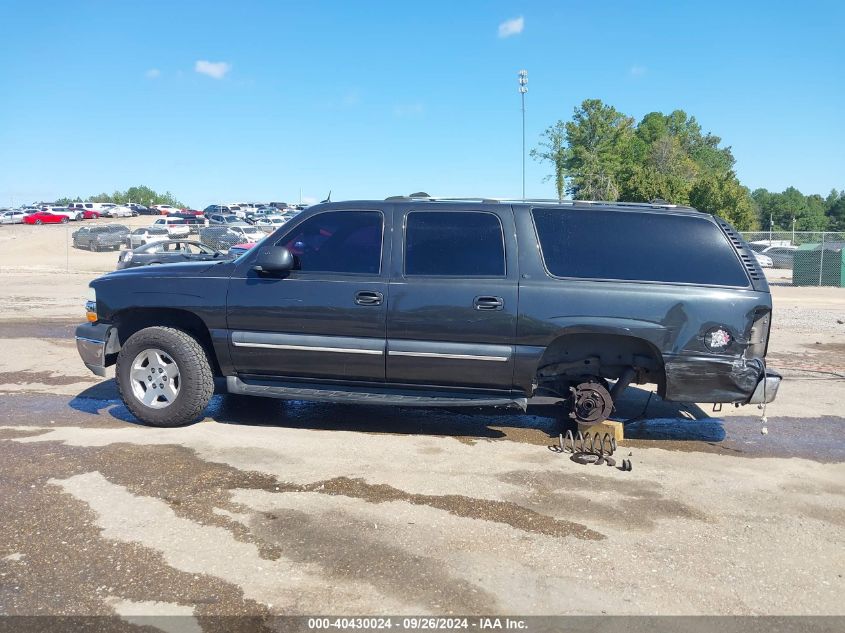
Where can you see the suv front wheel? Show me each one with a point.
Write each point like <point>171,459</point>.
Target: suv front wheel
<point>164,377</point>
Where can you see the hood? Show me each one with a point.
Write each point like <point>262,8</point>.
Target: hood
<point>179,269</point>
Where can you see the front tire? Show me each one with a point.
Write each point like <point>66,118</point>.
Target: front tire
<point>164,377</point>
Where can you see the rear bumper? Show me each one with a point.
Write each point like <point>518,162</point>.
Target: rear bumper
<point>97,345</point>
<point>719,379</point>
<point>767,388</point>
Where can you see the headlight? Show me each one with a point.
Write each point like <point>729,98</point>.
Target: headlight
<point>91,306</point>
<point>717,339</point>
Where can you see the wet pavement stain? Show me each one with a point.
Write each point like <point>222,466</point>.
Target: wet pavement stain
<point>63,554</point>
<point>68,568</point>
<point>7,433</point>
<point>340,545</point>
<point>505,512</point>
<point>50,329</point>
<point>40,377</point>
<point>630,504</point>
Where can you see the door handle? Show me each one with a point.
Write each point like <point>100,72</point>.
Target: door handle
<point>368,298</point>
<point>488,303</point>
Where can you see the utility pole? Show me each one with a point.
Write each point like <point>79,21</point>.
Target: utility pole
<point>523,88</point>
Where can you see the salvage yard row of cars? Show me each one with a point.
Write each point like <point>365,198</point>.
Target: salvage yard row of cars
<point>181,237</point>
<point>251,213</point>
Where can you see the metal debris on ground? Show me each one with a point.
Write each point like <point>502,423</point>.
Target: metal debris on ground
<point>590,448</point>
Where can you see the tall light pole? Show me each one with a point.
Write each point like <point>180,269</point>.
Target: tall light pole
<point>523,88</point>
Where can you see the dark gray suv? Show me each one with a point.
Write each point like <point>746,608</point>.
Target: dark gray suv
<point>436,302</point>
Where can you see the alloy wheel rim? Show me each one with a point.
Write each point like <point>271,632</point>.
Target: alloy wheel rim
<point>155,377</point>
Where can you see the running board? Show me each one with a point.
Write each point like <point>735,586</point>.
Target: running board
<point>237,386</point>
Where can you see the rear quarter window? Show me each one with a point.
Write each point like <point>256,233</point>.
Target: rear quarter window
<point>636,246</point>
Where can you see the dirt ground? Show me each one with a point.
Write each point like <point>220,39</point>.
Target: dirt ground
<point>269,507</point>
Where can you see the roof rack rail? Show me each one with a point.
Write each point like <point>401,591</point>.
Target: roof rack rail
<point>656,204</point>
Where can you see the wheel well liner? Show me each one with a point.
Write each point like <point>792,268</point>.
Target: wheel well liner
<point>602,354</point>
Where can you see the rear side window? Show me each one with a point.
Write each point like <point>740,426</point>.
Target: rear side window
<point>636,246</point>
<point>337,241</point>
<point>454,244</point>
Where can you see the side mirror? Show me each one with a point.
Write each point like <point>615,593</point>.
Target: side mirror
<point>273,259</point>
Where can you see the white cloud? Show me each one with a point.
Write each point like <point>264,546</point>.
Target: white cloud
<point>152,73</point>
<point>215,70</point>
<point>511,27</point>
<point>409,109</point>
<point>637,71</point>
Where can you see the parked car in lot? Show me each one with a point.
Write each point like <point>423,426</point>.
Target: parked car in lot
<point>146,235</point>
<point>100,238</point>
<point>219,209</point>
<point>120,211</point>
<point>427,302</point>
<point>257,214</point>
<point>193,222</point>
<point>217,218</point>
<point>45,217</point>
<point>70,214</point>
<point>239,249</point>
<point>764,260</point>
<point>165,209</point>
<point>270,222</point>
<point>12,216</point>
<point>781,256</point>
<point>167,252</point>
<point>139,209</point>
<point>246,232</point>
<point>176,227</point>
<point>219,237</point>
<point>91,210</point>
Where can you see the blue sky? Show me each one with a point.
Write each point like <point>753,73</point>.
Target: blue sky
<point>371,99</point>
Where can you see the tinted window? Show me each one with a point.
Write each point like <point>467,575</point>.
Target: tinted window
<point>636,246</point>
<point>338,241</point>
<point>454,244</point>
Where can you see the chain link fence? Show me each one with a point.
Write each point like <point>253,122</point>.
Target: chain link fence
<point>801,258</point>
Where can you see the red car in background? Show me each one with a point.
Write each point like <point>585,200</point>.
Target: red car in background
<point>193,212</point>
<point>44,217</point>
<point>239,249</point>
<point>88,214</point>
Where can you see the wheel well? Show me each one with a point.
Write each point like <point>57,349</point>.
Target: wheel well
<point>130,321</point>
<point>571,356</point>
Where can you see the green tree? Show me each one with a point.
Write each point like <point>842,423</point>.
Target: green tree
<point>552,148</point>
<point>140,194</point>
<point>725,197</point>
<point>599,140</point>
<point>809,211</point>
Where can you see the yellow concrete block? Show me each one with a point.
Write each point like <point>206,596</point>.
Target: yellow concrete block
<point>614,429</point>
